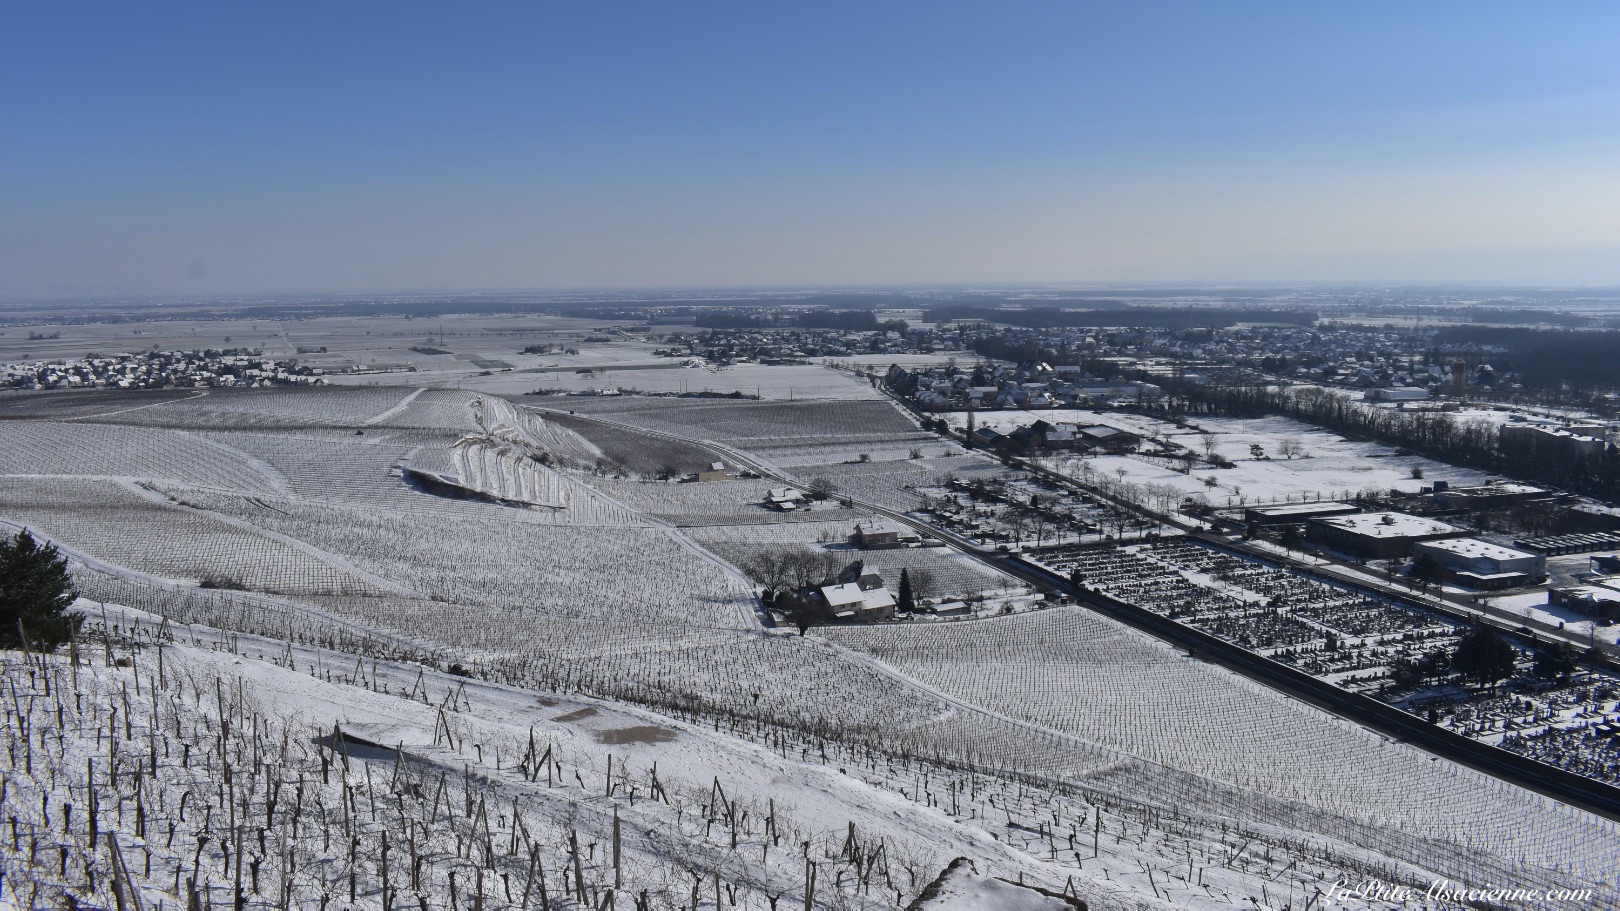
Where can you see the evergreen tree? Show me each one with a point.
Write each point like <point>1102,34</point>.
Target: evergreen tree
<point>1556,662</point>
<point>907,602</point>
<point>1483,656</point>
<point>35,591</point>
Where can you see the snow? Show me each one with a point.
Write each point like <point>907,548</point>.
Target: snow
<point>1101,722</point>
<point>1331,467</point>
<point>1389,524</point>
<point>482,730</point>
<point>629,375</point>
<point>961,888</point>
<point>1473,547</point>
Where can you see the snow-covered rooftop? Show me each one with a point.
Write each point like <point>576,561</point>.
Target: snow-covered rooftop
<point>1291,509</point>
<point>1477,549</point>
<point>1501,487</point>
<point>1389,525</point>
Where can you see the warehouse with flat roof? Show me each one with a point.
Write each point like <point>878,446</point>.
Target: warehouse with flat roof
<point>1376,535</point>
<point>1295,513</point>
<point>1481,564</point>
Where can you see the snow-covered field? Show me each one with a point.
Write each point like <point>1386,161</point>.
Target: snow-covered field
<point>1212,789</point>
<point>1330,467</point>
<point>512,798</point>
<point>1071,671</point>
<point>664,376</point>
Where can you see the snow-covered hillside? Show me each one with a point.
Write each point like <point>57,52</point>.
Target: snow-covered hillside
<point>1062,746</point>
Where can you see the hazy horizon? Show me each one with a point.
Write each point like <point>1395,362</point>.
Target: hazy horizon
<point>202,150</point>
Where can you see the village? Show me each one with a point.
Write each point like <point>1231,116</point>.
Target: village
<point>154,369</point>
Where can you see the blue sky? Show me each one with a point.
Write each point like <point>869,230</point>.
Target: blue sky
<point>233,148</point>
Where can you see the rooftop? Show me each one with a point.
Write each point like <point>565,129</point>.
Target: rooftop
<point>1388,525</point>
<point>1503,487</point>
<point>1313,508</point>
<point>1474,547</point>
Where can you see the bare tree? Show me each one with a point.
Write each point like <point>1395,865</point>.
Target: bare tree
<point>769,568</point>
<point>1289,447</point>
<point>923,582</point>
<point>806,614</point>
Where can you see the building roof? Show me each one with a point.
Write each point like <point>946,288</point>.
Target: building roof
<point>847,598</point>
<point>1505,487</point>
<point>1592,592</point>
<point>1308,508</point>
<point>1388,525</point>
<point>846,595</point>
<point>1477,549</point>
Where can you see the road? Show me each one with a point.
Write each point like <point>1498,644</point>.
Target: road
<point>1588,794</point>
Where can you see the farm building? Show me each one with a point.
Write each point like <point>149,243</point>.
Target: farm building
<point>1110,439</point>
<point>1481,564</point>
<point>986,436</point>
<point>715,472</point>
<point>1396,394</point>
<point>1289,514</point>
<point>1064,436</point>
<point>1376,535</point>
<point>785,499</point>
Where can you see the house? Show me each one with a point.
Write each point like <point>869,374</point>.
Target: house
<point>1376,535</point>
<point>857,594</point>
<point>784,499</point>
<point>1481,564</point>
<point>882,535</point>
<point>858,573</point>
<point>978,395</point>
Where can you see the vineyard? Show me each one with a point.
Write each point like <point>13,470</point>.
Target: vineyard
<point>273,542</point>
<point>1357,641</point>
<point>1070,671</point>
<point>94,450</point>
<point>117,524</point>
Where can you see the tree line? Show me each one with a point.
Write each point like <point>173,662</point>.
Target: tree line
<point>1433,434</point>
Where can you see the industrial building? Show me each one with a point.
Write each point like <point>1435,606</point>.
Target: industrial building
<point>1295,513</point>
<point>1493,495</point>
<point>1481,564</point>
<point>1597,598</point>
<point>1376,535</point>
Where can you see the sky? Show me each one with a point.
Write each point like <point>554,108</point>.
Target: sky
<point>255,148</point>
